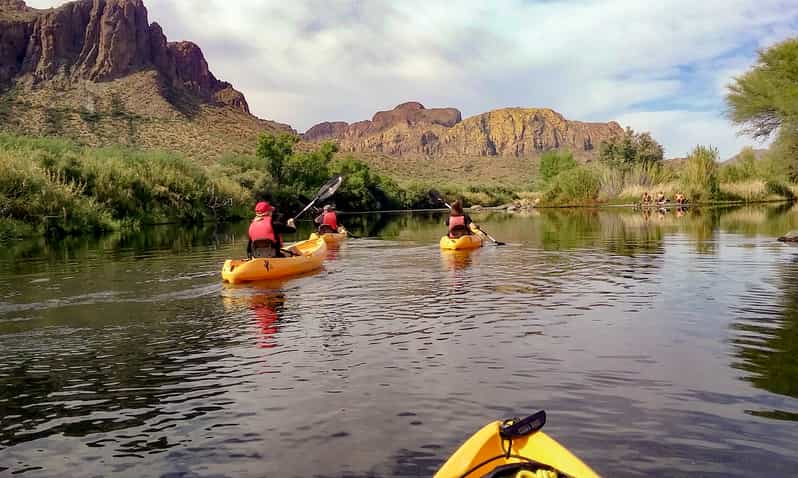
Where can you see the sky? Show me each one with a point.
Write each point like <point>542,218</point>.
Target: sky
<point>658,66</point>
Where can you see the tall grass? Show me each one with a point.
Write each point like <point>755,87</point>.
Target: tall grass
<point>574,186</point>
<point>699,177</point>
<point>57,187</point>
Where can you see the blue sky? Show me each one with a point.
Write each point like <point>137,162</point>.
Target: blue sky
<point>654,66</point>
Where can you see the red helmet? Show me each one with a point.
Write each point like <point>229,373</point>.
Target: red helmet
<point>263,207</point>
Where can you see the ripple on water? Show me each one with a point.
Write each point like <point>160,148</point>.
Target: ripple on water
<point>651,352</point>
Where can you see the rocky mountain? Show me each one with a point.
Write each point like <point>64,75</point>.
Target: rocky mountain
<point>93,68</point>
<point>411,129</point>
<point>407,129</point>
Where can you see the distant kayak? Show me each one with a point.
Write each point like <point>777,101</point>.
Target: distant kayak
<point>472,241</point>
<point>517,449</point>
<point>313,254</point>
<point>332,238</point>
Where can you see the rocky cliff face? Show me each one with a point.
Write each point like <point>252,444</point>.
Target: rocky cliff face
<point>101,40</point>
<point>511,132</point>
<point>99,72</point>
<point>410,128</point>
<point>519,132</point>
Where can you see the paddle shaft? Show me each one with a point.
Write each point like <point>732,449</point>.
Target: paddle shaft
<point>306,208</point>
<point>490,237</point>
<point>325,192</point>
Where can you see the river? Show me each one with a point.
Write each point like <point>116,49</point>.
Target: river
<point>659,345</point>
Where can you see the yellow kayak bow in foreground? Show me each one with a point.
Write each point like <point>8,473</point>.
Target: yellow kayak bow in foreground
<point>514,449</point>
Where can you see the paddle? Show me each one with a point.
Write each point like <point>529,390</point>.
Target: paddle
<point>325,192</point>
<point>498,243</point>
<point>436,196</point>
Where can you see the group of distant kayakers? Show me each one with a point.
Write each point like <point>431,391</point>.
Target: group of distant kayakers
<point>268,226</point>
<point>661,199</point>
<point>267,229</point>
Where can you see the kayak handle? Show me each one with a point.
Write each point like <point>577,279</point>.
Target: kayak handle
<point>517,428</point>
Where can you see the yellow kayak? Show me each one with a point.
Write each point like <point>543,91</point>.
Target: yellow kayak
<point>472,241</point>
<point>533,454</point>
<point>313,254</point>
<point>332,237</point>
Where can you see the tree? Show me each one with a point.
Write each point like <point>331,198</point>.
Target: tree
<point>275,150</point>
<point>764,101</point>
<point>631,149</point>
<point>765,98</point>
<point>305,172</point>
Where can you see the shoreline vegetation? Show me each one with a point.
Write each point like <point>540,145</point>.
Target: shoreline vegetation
<point>55,187</point>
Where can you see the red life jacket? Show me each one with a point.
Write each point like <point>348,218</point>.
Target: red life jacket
<point>261,228</point>
<point>330,219</point>
<point>456,222</point>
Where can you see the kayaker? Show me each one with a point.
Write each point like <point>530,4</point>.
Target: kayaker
<point>661,198</point>
<point>646,199</point>
<point>265,233</point>
<point>458,222</point>
<point>680,199</point>
<point>327,220</point>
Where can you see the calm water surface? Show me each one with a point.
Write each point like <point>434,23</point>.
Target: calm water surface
<point>659,345</point>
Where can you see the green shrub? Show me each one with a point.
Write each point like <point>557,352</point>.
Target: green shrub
<point>553,163</point>
<point>780,189</point>
<point>575,186</point>
<point>700,174</point>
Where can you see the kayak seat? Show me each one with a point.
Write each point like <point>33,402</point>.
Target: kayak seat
<point>325,229</point>
<point>265,248</point>
<point>459,231</point>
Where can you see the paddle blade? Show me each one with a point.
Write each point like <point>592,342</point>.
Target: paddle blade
<point>329,188</point>
<point>325,192</point>
<point>435,196</point>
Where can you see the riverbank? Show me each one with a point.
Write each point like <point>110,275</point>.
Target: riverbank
<point>55,187</point>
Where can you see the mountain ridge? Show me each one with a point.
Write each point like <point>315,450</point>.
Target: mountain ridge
<point>412,129</point>
<point>90,68</point>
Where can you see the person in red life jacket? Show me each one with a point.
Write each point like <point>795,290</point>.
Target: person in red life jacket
<point>458,222</point>
<point>265,232</point>
<point>327,220</point>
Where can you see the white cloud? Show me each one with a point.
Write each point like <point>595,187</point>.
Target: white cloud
<point>654,65</point>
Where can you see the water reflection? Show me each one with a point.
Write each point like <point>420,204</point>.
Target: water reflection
<point>766,338</point>
<point>267,307</point>
<point>457,260</point>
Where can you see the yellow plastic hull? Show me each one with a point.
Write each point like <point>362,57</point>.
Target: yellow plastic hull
<point>331,238</point>
<point>473,241</point>
<point>487,444</point>
<point>313,254</point>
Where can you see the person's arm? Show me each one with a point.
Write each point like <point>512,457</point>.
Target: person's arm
<point>467,219</point>
<point>446,221</point>
<point>283,228</point>
<point>249,249</point>
<point>319,219</point>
